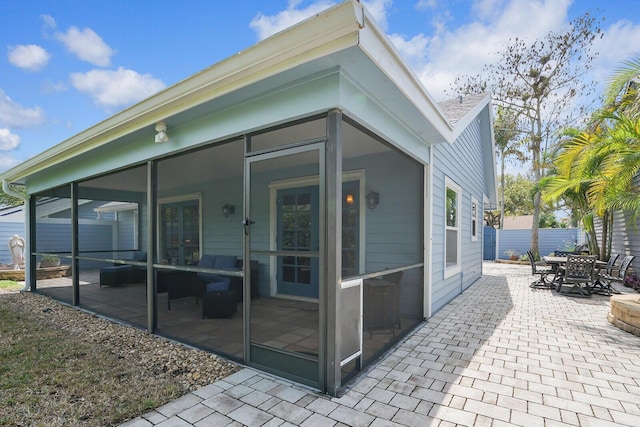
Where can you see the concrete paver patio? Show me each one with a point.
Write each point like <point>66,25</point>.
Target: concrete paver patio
<point>499,354</point>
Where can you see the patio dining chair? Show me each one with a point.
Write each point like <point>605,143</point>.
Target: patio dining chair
<point>611,275</point>
<point>538,269</point>
<point>579,270</point>
<point>559,270</point>
<point>598,285</point>
<point>563,253</point>
<point>582,249</point>
<point>611,264</point>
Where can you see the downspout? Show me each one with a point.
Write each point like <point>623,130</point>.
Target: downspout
<point>10,192</point>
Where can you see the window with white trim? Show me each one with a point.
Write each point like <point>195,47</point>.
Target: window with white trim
<point>453,233</point>
<point>474,219</point>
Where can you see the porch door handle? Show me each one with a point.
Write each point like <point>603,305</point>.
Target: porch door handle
<point>247,223</point>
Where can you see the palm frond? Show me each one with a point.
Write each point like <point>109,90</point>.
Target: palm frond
<point>619,81</point>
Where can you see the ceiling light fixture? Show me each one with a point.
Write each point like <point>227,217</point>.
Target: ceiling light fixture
<point>161,133</point>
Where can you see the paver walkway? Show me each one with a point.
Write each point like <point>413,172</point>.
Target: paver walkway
<point>499,354</point>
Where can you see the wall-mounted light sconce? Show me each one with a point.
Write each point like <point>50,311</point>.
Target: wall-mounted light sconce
<point>161,133</point>
<point>228,209</point>
<point>349,199</point>
<point>373,199</point>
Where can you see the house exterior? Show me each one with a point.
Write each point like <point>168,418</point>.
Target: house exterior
<point>315,154</point>
<point>625,235</point>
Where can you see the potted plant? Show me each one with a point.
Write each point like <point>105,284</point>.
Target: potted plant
<point>632,281</point>
<point>50,261</point>
<point>513,255</point>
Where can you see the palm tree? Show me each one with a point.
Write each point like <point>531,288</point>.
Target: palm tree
<point>623,100</point>
<point>576,164</point>
<point>599,168</point>
<point>505,129</point>
<point>621,166</point>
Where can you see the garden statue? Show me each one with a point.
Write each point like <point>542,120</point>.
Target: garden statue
<point>16,247</point>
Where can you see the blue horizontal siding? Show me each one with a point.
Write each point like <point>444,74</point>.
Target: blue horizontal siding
<point>7,230</point>
<point>462,162</point>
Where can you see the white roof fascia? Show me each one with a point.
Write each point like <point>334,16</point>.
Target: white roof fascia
<point>494,195</point>
<point>330,31</point>
<point>377,46</point>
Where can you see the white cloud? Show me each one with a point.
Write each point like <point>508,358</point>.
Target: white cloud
<point>87,45</point>
<point>413,50</point>
<point>612,52</point>
<point>112,89</point>
<point>439,57</point>
<point>265,26</point>
<point>49,22</point>
<point>13,115</point>
<point>527,19</point>
<point>378,9</point>
<point>427,4</point>
<point>50,87</point>
<point>30,57</point>
<point>7,162</point>
<point>485,9</point>
<point>8,140</point>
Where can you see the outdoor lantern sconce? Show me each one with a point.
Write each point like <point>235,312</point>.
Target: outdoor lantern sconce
<point>228,209</point>
<point>373,199</point>
<point>161,133</point>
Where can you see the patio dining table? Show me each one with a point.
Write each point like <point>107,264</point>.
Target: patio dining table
<point>555,260</point>
<point>558,261</point>
<point>562,260</point>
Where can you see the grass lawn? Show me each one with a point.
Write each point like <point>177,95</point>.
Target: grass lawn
<point>10,285</point>
<point>48,376</point>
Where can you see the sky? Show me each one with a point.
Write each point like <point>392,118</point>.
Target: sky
<point>68,65</point>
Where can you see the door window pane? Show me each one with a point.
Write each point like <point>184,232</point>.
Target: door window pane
<point>350,228</point>
<point>298,230</point>
<point>180,236</point>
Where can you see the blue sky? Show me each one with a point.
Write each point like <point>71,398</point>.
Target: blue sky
<point>67,65</point>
